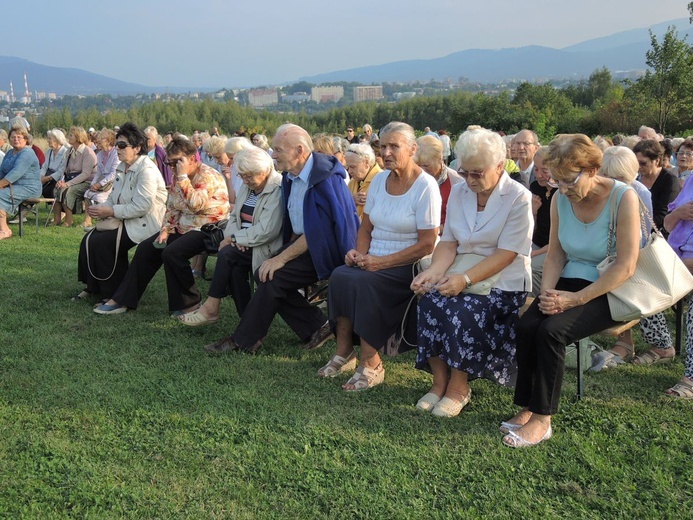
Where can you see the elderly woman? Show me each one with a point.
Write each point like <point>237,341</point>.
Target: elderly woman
<point>54,165</point>
<point>465,335</point>
<point>573,302</point>
<point>198,197</point>
<point>663,185</point>
<point>232,147</point>
<point>106,163</point>
<point>362,168</point>
<point>253,234</point>
<point>19,176</point>
<point>684,160</point>
<point>79,172</point>
<point>430,157</point>
<point>369,296</point>
<point>138,200</point>
<point>542,194</point>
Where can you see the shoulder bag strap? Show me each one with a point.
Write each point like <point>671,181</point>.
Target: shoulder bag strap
<point>115,262</point>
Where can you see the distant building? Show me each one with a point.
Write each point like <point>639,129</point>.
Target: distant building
<point>263,97</point>
<point>299,97</point>
<point>326,94</point>
<point>397,96</point>
<point>368,93</point>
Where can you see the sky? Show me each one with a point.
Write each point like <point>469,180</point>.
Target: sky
<point>227,43</point>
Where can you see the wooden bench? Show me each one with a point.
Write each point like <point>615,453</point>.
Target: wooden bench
<point>27,206</point>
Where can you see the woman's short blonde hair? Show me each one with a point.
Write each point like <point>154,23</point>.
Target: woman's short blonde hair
<point>80,134</point>
<point>430,150</point>
<point>571,152</point>
<point>619,163</point>
<point>215,145</point>
<point>108,135</point>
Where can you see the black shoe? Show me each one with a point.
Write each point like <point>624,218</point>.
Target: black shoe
<point>319,337</point>
<point>222,346</point>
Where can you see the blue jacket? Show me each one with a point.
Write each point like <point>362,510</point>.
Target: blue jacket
<point>330,221</point>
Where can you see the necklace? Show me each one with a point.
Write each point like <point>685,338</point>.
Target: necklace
<point>406,186</point>
<point>578,214</point>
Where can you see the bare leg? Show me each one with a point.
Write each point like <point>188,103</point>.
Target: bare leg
<point>535,428</point>
<point>458,387</point>
<point>68,216</point>
<point>87,218</point>
<point>5,231</point>
<point>343,335</point>
<point>521,417</point>
<point>57,212</point>
<point>370,358</point>
<point>210,308</point>
<point>440,376</point>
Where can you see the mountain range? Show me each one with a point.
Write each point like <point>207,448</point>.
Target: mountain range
<point>619,52</point>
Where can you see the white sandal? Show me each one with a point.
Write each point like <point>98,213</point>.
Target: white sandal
<point>366,378</point>
<point>338,365</point>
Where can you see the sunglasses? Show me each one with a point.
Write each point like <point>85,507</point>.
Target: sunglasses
<point>173,163</point>
<point>473,175</point>
<point>122,144</point>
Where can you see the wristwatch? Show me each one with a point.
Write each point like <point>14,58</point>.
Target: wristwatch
<point>467,280</point>
<point>233,239</point>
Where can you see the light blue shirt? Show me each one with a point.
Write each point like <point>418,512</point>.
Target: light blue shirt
<point>299,186</point>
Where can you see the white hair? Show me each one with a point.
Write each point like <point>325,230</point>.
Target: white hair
<point>58,135</point>
<point>236,144</point>
<point>401,128</point>
<point>297,136</point>
<point>152,132</point>
<point>619,163</point>
<point>253,160</point>
<point>480,145</point>
<point>364,152</point>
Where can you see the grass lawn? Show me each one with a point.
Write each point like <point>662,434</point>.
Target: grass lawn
<point>126,416</point>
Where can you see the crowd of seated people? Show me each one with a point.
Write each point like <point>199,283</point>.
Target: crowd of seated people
<point>417,254</point>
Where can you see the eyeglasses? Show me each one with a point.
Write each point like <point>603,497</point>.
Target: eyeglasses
<point>172,163</point>
<point>564,184</point>
<point>246,176</point>
<point>684,154</point>
<point>473,175</point>
<point>122,144</point>
<point>524,143</point>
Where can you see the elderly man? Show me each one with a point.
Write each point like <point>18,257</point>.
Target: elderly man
<point>429,156</point>
<point>361,165</point>
<point>647,132</point>
<point>526,144</point>
<point>157,154</point>
<point>320,225</point>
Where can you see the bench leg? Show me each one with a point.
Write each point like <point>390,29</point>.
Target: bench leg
<point>580,346</point>
<point>679,327</point>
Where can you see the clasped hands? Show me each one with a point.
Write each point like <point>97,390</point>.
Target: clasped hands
<point>366,262</point>
<point>552,301</point>
<point>447,285</point>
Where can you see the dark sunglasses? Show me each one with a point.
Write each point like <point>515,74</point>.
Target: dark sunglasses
<point>122,144</point>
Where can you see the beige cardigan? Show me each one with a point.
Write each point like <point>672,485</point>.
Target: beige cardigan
<point>139,198</point>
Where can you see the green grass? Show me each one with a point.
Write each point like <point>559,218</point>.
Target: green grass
<point>125,416</point>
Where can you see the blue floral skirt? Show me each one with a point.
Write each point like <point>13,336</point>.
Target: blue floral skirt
<point>472,333</point>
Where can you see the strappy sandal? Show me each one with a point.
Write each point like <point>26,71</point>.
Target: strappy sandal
<point>651,358</point>
<point>196,319</point>
<point>366,378</point>
<point>681,390</point>
<point>338,365</point>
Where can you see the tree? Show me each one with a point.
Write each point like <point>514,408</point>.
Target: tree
<point>667,84</point>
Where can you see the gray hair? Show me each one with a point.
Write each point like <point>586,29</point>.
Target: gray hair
<point>298,136</point>
<point>619,163</point>
<point>649,132</point>
<point>340,144</point>
<point>56,134</point>
<point>364,151</point>
<point>215,145</point>
<point>236,144</point>
<point>262,141</point>
<point>152,132</point>
<point>630,141</point>
<point>482,144</point>
<point>253,160</point>
<point>402,128</point>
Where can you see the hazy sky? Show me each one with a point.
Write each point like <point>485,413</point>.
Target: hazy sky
<point>227,43</point>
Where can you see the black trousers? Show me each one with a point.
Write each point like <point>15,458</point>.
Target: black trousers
<point>541,346</point>
<point>102,247</point>
<point>175,257</point>
<point>231,276</point>
<point>280,296</point>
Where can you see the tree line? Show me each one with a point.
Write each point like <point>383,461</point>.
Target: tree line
<point>596,106</point>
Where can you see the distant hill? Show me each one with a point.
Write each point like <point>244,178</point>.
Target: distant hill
<point>624,51</point>
<point>63,80</point>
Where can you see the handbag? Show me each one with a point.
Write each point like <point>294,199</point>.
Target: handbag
<point>213,235</point>
<point>108,224</point>
<point>463,263</point>
<point>660,280</point>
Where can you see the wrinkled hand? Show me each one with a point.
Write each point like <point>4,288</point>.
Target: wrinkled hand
<point>425,282</point>
<point>369,262</point>
<point>536,204</point>
<point>554,302</point>
<point>61,184</point>
<point>163,236</point>
<point>685,211</point>
<point>360,198</point>
<point>351,256</point>
<point>269,267</point>
<point>100,211</point>
<point>451,285</point>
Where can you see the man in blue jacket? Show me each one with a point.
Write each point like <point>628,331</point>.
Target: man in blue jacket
<point>320,226</point>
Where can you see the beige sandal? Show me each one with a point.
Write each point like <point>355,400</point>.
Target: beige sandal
<point>366,378</point>
<point>651,358</point>
<point>196,319</point>
<point>338,365</point>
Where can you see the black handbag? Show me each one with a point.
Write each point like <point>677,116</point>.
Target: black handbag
<point>214,234</point>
